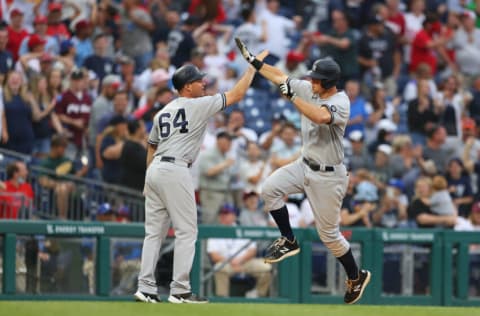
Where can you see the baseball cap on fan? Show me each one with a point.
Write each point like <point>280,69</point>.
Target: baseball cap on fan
<point>294,56</point>
<point>55,6</point>
<point>366,192</point>
<point>385,148</point>
<point>469,14</point>
<point>396,183</point>
<point>228,208</point>
<point>112,80</point>
<point>40,19</point>
<point>34,41</point>
<point>355,136</point>
<point>15,12</point>
<point>476,207</point>
<point>77,74</point>
<point>387,125</point>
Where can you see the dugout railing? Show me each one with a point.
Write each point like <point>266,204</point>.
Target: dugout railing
<point>99,261</point>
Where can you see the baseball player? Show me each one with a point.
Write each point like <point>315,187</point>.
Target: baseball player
<point>174,142</point>
<point>319,173</point>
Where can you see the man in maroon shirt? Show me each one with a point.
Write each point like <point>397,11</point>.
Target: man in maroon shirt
<point>16,33</point>
<point>73,109</point>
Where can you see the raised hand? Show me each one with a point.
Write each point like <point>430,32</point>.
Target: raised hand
<point>244,50</point>
<point>261,56</point>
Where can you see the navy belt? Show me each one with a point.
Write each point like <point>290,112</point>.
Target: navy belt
<point>317,167</point>
<point>175,161</point>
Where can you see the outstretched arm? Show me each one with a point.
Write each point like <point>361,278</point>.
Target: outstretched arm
<point>272,73</point>
<point>318,115</point>
<point>238,91</point>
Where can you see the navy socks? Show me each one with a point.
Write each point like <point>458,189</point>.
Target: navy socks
<point>283,222</point>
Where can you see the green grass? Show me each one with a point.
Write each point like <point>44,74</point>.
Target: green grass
<point>52,308</point>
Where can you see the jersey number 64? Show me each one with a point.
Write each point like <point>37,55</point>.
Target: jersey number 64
<point>179,121</point>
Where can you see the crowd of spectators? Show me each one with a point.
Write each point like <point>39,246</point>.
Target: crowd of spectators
<point>82,81</point>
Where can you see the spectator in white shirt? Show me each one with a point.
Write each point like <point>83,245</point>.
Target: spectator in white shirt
<point>278,28</point>
<point>232,256</point>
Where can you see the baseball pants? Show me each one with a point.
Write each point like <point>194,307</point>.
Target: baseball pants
<point>169,196</point>
<point>325,192</point>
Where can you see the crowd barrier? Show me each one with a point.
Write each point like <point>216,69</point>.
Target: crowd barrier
<point>100,261</point>
<point>84,198</point>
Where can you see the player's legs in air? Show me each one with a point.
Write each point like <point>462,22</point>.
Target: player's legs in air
<point>325,192</point>
<point>284,181</point>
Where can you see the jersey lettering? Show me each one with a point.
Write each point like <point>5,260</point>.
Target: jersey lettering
<point>164,125</point>
<point>180,121</point>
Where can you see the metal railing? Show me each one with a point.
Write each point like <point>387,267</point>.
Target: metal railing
<point>15,206</point>
<point>86,199</point>
<point>72,198</point>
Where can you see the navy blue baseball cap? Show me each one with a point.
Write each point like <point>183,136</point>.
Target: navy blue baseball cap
<point>397,183</point>
<point>228,208</point>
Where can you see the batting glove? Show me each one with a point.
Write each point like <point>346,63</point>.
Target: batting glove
<point>287,90</point>
<point>257,64</point>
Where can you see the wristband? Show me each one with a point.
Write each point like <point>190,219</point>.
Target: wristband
<point>257,64</point>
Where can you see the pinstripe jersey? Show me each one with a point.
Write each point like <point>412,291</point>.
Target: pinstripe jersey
<point>179,128</point>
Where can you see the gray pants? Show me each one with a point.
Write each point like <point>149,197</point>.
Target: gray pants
<point>169,195</point>
<point>325,192</point>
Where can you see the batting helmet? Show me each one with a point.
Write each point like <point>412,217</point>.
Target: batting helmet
<point>186,74</point>
<point>327,71</point>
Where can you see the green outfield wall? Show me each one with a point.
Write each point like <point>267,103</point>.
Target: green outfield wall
<point>415,267</point>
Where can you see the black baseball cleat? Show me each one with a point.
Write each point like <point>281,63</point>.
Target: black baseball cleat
<point>280,249</point>
<point>187,298</point>
<point>146,297</point>
<point>355,287</point>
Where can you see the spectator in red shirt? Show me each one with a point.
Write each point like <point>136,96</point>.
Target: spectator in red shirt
<point>56,27</point>
<point>73,110</point>
<point>428,44</point>
<point>16,32</point>
<point>18,194</point>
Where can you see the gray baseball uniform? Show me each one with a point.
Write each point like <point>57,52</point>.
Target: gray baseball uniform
<point>178,130</point>
<point>326,187</point>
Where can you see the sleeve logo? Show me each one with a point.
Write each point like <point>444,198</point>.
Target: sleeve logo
<point>332,107</point>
